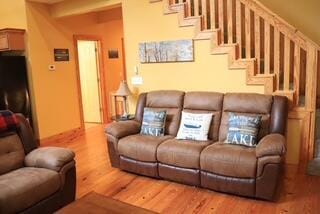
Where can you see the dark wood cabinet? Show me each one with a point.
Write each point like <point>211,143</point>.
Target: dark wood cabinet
<point>12,39</point>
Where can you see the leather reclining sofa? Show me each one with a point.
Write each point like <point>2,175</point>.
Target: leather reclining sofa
<point>32,179</point>
<point>246,171</point>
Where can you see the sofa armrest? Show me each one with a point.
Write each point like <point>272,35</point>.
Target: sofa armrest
<point>53,158</point>
<point>272,144</point>
<point>26,134</point>
<point>123,128</point>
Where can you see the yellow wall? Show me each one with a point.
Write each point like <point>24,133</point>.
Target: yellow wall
<point>13,15</point>
<point>55,93</point>
<point>206,73</point>
<point>303,14</point>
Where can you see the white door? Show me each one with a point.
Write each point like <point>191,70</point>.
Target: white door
<point>89,79</point>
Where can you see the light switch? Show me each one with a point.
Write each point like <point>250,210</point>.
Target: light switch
<point>136,70</point>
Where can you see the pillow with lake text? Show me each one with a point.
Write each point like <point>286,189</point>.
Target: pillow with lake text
<point>153,122</point>
<point>243,130</point>
<point>194,126</point>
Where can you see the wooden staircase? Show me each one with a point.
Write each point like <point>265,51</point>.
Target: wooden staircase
<point>274,53</point>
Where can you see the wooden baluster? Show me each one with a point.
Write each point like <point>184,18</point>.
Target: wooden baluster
<point>230,22</point>
<point>196,7</point>
<point>296,77</point>
<point>266,48</point>
<point>238,26</point>
<point>188,7</point>
<point>213,14</point>
<point>204,14</point>
<point>286,77</point>
<point>311,80</point>
<point>248,32</point>
<point>221,25</point>
<point>257,41</point>
<point>277,56</point>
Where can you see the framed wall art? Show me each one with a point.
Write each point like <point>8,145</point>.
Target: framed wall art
<point>166,51</point>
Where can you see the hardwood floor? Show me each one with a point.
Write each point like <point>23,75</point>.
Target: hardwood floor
<point>299,193</point>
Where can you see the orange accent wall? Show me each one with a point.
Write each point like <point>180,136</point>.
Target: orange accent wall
<point>109,27</point>
<point>55,93</point>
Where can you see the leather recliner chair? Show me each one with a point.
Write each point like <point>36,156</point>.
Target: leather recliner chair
<point>32,179</point>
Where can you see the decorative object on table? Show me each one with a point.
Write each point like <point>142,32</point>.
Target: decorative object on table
<point>166,51</point>
<point>61,54</point>
<point>243,130</point>
<point>194,126</point>
<point>113,54</point>
<point>153,122</point>
<point>123,91</point>
<point>121,118</point>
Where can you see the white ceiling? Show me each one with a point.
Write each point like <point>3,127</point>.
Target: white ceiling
<point>47,1</point>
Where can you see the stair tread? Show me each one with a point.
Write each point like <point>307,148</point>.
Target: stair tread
<point>265,75</point>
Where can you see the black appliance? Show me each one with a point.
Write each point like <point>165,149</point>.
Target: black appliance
<point>14,92</point>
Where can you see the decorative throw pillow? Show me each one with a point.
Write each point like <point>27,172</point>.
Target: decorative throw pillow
<point>153,122</point>
<point>243,130</point>
<point>194,126</point>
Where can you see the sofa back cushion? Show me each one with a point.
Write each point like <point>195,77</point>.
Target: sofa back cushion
<point>206,102</point>
<point>248,105</point>
<point>172,102</point>
<point>11,153</point>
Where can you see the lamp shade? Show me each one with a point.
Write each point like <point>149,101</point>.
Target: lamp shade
<point>123,89</point>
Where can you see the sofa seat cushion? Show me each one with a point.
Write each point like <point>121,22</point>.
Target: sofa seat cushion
<point>181,153</point>
<point>141,147</point>
<point>25,187</point>
<point>229,160</point>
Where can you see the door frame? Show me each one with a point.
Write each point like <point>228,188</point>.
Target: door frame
<point>101,83</point>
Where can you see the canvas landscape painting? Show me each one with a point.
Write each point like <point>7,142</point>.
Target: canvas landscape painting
<point>166,51</point>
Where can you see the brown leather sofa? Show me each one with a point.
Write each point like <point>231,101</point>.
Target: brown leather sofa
<point>212,164</point>
<point>32,179</point>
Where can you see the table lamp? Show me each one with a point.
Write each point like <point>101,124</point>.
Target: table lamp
<point>124,91</point>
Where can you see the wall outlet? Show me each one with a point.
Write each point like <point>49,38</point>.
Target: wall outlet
<point>136,80</point>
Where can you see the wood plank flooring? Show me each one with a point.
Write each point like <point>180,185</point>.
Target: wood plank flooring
<point>299,193</point>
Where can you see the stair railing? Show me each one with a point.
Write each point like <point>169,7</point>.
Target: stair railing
<point>278,49</point>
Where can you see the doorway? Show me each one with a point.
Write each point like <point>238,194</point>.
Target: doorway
<point>91,87</point>
<point>317,126</point>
